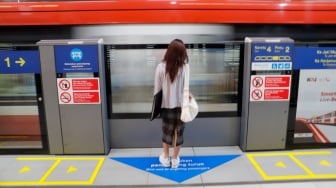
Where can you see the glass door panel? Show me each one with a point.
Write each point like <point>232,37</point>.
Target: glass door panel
<point>20,126</point>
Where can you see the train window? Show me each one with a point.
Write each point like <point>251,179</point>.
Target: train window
<point>213,77</point>
<point>19,115</point>
<point>18,86</point>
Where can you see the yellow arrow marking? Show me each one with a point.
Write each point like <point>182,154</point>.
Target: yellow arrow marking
<point>25,169</point>
<point>71,169</point>
<point>325,163</point>
<point>280,164</point>
<point>21,61</point>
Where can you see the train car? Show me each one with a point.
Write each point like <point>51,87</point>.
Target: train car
<point>135,34</point>
<point>328,118</point>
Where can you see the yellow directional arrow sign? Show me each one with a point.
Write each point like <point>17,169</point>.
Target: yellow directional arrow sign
<point>21,62</point>
<point>71,169</point>
<point>280,164</point>
<point>25,169</point>
<point>325,163</point>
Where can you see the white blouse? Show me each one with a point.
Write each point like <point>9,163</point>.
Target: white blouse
<point>172,93</point>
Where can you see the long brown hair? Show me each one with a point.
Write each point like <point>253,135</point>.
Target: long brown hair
<point>175,57</point>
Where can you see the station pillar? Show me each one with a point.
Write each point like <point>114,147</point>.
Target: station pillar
<point>266,93</point>
<point>73,82</point>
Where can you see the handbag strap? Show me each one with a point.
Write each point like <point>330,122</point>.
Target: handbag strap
<point>186,86</point>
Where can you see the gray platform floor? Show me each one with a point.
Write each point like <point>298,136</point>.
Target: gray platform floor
<point>200,167</point>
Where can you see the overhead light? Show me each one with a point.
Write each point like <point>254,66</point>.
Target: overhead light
<point>282,4</point>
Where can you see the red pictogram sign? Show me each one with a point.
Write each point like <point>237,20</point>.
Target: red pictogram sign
<point>273,94</point>
<point>270,87</point>
<point>85,84</point>
<point>64,85</point>
<point>79,90</point>
<point>86,97</point>
<point>257,82</point>
<point>257,94</point>
<point>65,97</point>
<point>277,81</point>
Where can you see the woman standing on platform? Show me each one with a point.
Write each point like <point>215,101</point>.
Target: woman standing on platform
<point>169,77</point>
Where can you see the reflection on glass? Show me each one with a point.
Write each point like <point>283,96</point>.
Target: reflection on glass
<point>214,76</point>
<point>19,117</point>
<point>16,85</point>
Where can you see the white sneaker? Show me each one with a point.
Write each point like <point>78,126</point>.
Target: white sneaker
<point>164,161</point>
<point>175,162</point>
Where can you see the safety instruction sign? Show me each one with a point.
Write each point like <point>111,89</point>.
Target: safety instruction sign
<point>190,166</point>
<point>78,90</point>
<point>270,87</point>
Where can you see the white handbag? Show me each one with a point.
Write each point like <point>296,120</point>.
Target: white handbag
<point>189,105</point>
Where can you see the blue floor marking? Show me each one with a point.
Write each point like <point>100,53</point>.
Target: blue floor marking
<point>189,167</point>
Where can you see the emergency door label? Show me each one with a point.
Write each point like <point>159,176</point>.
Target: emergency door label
<point>270,87</point>
<point>78,90</point>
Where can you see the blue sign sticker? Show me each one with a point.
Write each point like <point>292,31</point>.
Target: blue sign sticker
<point>76,58</point>
<point>315,58</point>
<point>19,62</point>
<point>272,56</point>
<point>190,166</point>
